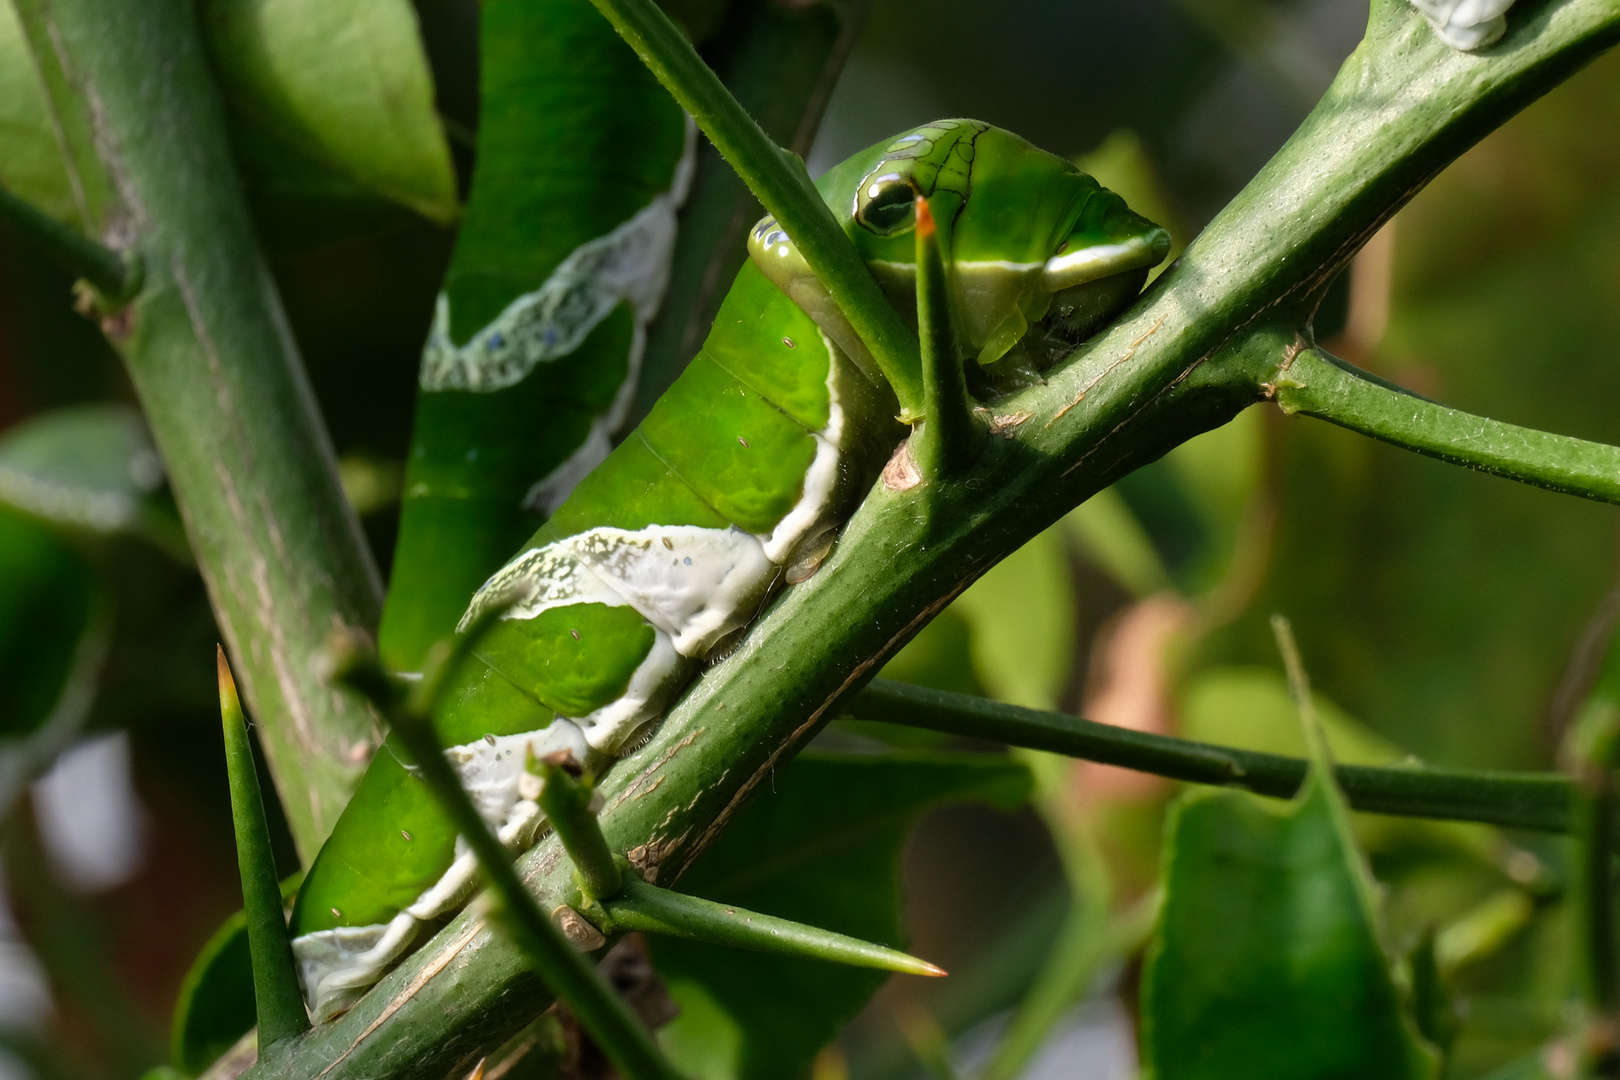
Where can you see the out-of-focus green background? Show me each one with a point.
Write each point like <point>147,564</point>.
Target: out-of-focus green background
<point>1441,613</point>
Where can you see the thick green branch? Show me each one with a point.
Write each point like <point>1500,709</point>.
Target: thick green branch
<point>778,179</point>
<point>1404,106</point>
<point>1540,801</point>
<point>219,377</point>
<point>113,275</point>
<point>1317,384</point>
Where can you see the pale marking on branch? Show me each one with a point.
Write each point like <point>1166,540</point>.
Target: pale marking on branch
<point>1171,385</point>
<point>1001,425</point>
<point>259,568</point>
<point>859,672</point>
<point>408,991</point>
<point>1105,372</point>
<point>630,791</point>
<point>647,858</point>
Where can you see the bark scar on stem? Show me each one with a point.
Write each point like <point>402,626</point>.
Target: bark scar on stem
<point>630,792</point>
<point>1105,372</point>
<point>407,992</point>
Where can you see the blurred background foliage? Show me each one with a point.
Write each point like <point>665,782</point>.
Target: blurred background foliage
<point>1441,613</point>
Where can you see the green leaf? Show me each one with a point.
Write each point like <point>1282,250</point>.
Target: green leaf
<point>1266,961</point>
<point>1023,614</point>
<point>822,847</point>
<point>47,152</point>
<point>340,84</point>
<point>216,1006</point>
<point>49,602</point>
<point>89,467</point>
<point>30,161</point>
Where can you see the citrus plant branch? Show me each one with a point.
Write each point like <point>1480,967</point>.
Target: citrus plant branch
<point>1184,359</point>
<point>1515,800</point>
<point>781,184</point>
<point>1317,384</point>
<point>114,275</point>
<point>213,361</point>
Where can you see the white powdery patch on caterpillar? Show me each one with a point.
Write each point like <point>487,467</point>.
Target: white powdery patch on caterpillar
<point>537,580</point>
<point>696,584</point>
<point>1466,24</point>
<point>657,677</point>
<point>812,514</point>
<point>631,263</point>
<point>337,966</point>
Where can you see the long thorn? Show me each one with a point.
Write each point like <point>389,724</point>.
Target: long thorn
<point>567,804</point>
<point>601,1011</point>
<point>778,179</point>
<point>950,439</point>
<point>115,276</point>
<point>280,1004</point>
<point>640,906</point>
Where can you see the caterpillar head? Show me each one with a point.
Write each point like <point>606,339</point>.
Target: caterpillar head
<point>1035,243</point>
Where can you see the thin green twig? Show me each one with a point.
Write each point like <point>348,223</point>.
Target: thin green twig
<point>781,184</point>
<point>572,977</point>
<point>280,1004</point>
<point>567,804</point>
<point>1320,385</point>
<point>116,277</point>
<point>1540,801</point>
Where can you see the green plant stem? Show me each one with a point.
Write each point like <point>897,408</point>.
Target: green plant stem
<point>950,439</point>
<point>280,1004</point>
<point>781,64</point>
<point>213,361</point>
<point>780,182</point>
<point>572,977</point>
<point>1317,384</point>
<point>115,276</point>
<point>1595,748</point>
<point>1182,360</point>
<point>648,908</point>
<point>568,807</point>
<point>1540,801</point>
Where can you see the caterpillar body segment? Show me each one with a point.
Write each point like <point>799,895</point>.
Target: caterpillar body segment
<point>731,488</point>
<point>530,363</point>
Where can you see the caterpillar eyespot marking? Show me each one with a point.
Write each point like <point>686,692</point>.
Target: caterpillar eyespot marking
<point>667,552</point>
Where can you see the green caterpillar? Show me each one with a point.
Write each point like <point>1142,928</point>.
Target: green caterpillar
<point>734,485</point>
<point>558,267</point>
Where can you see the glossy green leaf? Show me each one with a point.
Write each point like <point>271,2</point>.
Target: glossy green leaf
<point>216,1007</point>
<point>1023,618</point>
<point>1266,961</point>
<point>339,84</point>
<point>822,847</point>
<point>31,165</point>
<point>90,467</point>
